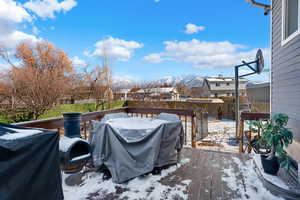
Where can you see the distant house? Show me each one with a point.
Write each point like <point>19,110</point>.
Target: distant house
<point>258,92</point>
<point>198,88</point>
<point>122,94</point>
<point>258,95</point>
<point>164,93</point>
<point>136,94</point>
<point>157,93</point>
<point>224,86</point>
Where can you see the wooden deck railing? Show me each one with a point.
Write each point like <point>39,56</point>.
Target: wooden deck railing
<point>249,116</point>
<point>187,116</point>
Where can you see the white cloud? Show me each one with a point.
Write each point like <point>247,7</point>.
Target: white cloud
<point>11,39</point>
<point>13,12</point>
<point>47,8</point>
<point>4,67</point>
<point>153,58</point>
<point>202,54</point>
<point>87,53</point>
<point>35,30</point>
<point>78,62</point>
<point>192,28</point>
<point>115,48</point>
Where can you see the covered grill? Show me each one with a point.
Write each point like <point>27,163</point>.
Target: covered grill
<point>74,153</point>
<point>29,164</point>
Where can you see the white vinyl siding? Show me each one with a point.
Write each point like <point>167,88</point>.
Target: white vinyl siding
<point>285,77</point>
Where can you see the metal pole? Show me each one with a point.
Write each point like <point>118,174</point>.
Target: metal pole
<point>237,101</point>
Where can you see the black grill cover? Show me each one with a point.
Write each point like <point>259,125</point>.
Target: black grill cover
<point>29,165</point>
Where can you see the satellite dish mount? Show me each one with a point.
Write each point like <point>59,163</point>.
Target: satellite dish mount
<point>256,69</point>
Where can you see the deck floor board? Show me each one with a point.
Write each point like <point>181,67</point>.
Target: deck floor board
<point>204,171</point>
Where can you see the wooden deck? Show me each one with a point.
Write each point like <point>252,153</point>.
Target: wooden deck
<point>205,170</point>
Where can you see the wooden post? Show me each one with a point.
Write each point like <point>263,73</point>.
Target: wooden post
<point>185,129</point>
<point>84,130</point>
<point>201,124</point>
<point>193,133</point>
<point>241,136</point>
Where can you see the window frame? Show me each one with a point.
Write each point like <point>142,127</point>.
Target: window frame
<point>284,39</point>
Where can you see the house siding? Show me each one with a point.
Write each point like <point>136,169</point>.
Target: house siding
<point>285,77</point>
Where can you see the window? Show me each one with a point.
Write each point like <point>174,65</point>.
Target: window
<point>228,94</point>
<point>290,20</point>
<point>218,84</point>
<point>216,95</point>
<point>227,84</point>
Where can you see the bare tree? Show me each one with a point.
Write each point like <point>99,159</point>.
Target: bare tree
<point>37,82</point>
<point>98,81</point>
<point>78,86</point>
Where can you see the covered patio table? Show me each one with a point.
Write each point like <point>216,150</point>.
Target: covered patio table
<point>133,146</point>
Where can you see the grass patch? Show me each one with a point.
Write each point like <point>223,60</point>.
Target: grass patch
<point>58,110</point>
<point>3,119</point>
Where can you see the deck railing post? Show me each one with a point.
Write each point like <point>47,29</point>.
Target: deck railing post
<point>241,135</point>
<point>201,124</point>
<point>193,132</point>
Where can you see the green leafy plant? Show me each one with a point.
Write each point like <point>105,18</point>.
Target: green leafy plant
<point>275,136</point>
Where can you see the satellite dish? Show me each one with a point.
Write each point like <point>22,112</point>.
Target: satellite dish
<point>259,61</point>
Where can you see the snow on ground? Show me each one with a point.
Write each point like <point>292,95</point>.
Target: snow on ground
<point>143,187</point>
<point>221,136</point>
<point>246,184</point>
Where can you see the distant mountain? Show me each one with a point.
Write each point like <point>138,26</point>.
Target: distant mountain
<point>190,80</point>
<point>173,80</point>
<point>123,83</point>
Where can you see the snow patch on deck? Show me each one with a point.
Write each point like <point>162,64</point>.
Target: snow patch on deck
<point>246,183</point>
<point>143,187</point>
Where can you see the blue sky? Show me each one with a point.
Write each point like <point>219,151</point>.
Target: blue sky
<point>146,39</point>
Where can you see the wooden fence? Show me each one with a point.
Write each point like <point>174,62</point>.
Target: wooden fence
<point>187,116</point>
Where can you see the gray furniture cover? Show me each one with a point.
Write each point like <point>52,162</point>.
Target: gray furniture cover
<point>168,117</point>
<point>114,116</point>
<point>128,155</point>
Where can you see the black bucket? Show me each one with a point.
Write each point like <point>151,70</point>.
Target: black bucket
<point>72,124</point>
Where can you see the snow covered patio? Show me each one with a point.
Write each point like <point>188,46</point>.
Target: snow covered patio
<point>201,174</point>
<point>221,136</point>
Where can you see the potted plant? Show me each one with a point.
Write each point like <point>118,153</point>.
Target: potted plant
<point>276,137</point>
